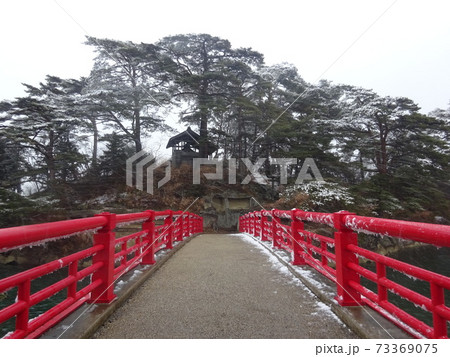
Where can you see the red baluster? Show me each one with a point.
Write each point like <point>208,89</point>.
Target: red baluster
<point>263,227</point>
<point>296,226</point>
<point>104,293</point>
<point>439,322</point>
<point>23,294</point>
<point>72,288</point>
<point>382,290</point>
<point>180,223</point>
<point>188,225</point>
<point>168,222</point>
<point>275,225</point>
<point>149,225</point>
<point>346,296</point>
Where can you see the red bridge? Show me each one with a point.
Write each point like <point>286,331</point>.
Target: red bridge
<point>111,260</point>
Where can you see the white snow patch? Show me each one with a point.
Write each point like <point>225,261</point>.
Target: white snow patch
<point>322,308</point>
<point>136,273</point>
<point>8,334</point>
<point>276,264</point>
<point>119,285</point>
<point>325,309</point>
<point>308,275</point>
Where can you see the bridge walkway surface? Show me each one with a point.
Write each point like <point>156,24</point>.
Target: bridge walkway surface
<point>223,286</point>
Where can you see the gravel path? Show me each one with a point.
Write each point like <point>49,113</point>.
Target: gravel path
<point>222,286</point>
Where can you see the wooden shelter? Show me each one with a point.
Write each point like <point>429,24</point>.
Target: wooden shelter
<point>186,146</point>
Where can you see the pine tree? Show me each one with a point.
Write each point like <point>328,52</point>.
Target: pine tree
<point>202,68</point>
<point>11,169</point>
<point>112,161</point>
<point>126,87</point>
<point>40,123</point>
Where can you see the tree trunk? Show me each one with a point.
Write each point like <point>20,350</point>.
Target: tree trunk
<point>361,166</point>
<point>382,155</point>
<point>203,141</point>
<point>49,158</point>
<point>202,102</point>
<point>203,105</point>
<point>95,144</point>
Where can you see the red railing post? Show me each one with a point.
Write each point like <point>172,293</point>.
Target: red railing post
<point>23,294</point>
<point>104,293</point>
<point>169,222</point>
<point>382,290</point>
<point>296,226</point>
<point>201,225</point>
<point>72,288</point>
<point>346,296</point>
<point>439,322</point>
<point>180,227</point>
<point>149,226</point>
<point>188,224</point>
<point>196,225</point>
<point>257,226</point>
<point>263,227</point>
<point>275,224</point>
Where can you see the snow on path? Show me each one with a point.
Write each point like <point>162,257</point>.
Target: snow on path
<point>274,259</point>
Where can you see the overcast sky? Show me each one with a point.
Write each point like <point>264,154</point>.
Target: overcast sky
<point>402,47</point>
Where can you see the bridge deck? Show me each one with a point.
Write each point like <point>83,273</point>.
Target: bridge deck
<point>222,286</point>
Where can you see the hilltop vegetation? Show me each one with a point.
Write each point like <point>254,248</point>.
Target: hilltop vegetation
<point>67,140</point>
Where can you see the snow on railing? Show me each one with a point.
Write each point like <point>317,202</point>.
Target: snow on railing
<point>337,258</point>
<point>109,257</point>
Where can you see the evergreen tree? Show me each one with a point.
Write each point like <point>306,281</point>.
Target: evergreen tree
<point>112,161</point>
<point>126,87</point>
<point>69,162</point>
<point>38,124</point>
<point>201,70</point>
<point>11,170</point>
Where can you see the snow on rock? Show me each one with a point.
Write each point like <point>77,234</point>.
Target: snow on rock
<point>322,193</point>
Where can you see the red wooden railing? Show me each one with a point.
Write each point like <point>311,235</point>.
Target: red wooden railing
<point>338,259</point>
<point>110,257</point>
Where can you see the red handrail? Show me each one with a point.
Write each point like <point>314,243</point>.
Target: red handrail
<point>110,258</point>
<point>435,234</point>
<point>23,236</point>
<point>337,258</point>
